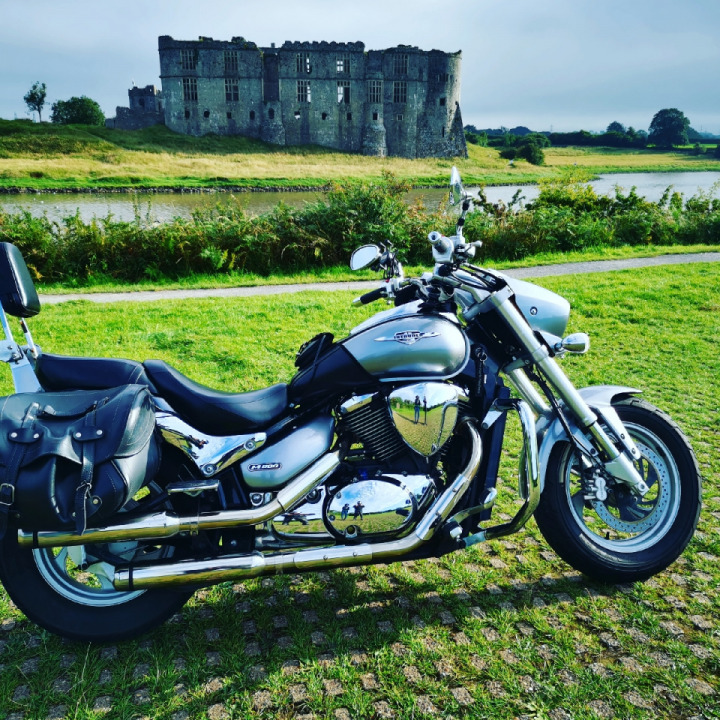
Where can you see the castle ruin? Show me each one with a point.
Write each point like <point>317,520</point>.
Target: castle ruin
<point>401,101</point>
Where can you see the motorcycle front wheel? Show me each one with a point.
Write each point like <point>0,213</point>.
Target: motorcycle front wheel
<point>622,537</point>
<point>69,591</point>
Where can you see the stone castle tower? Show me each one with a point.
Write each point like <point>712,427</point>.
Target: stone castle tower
<point>400,101</point>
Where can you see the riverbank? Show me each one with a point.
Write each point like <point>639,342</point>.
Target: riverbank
<point>38,157</point>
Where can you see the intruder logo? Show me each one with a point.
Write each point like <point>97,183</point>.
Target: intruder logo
<point>407,337</point>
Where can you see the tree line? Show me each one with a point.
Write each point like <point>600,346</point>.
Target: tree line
<point>669,128</point>
<point>75,111</point>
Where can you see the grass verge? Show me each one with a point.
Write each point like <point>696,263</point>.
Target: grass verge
<point>44,157</point>
<point>344,274</point>
<point>503,630</point>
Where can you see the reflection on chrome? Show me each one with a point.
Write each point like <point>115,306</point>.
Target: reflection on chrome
<point>425,414</point>
<point>386,505</point>
<point>211,454</point>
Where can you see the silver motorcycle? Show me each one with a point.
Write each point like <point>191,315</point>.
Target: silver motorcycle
<point>126,486</point>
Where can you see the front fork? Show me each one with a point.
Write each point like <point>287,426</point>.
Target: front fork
<point>618,462</point>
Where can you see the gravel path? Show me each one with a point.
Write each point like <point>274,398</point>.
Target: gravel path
<point>365,285</point>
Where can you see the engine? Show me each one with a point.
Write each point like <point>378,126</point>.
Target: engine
<point>383,489</point>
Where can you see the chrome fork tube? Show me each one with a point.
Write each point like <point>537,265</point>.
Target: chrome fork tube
<point>618,463</point>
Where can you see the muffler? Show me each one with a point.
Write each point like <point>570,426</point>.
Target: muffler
<point>215,570</point>
<point>166,524</point>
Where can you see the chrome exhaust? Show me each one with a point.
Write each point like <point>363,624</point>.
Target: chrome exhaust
<point>215,570</point>
<point>166,524</point>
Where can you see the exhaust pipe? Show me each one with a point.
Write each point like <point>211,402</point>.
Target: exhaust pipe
<point>166,524</point>
<point>216,570</point>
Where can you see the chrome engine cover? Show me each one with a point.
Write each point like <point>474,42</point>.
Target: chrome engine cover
<point>425,414</point>
<point>385,506</point>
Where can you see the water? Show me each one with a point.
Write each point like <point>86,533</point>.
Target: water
<point>162,207</point>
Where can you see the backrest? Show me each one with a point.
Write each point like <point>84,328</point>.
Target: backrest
<point>17,290</point>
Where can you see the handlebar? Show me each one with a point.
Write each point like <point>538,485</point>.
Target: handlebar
<point>371,296</point>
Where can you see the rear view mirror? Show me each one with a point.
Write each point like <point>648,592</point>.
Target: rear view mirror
<point>457,191</point>
<point>364,256</point>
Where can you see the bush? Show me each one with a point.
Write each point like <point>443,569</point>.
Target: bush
<point>567,215</point>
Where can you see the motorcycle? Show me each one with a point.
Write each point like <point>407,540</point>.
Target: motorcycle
<point>126,486</point>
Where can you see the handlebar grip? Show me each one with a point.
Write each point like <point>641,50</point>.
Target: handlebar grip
<point>372,296</point>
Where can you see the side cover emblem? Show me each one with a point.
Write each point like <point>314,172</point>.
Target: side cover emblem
<point>255,467</point>
<point>407,337</point>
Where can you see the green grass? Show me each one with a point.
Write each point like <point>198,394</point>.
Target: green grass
<point>44,157</point>
<point>501,631</point>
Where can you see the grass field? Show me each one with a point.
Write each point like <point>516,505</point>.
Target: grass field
<point>503,630</point>
<point>46,157</point>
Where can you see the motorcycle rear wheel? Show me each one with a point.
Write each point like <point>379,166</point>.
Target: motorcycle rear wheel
<point>54,589</point>
<point>624,538</point>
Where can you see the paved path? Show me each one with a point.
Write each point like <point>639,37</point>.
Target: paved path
<point>365,285</point>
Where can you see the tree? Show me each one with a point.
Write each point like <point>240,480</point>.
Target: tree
<point>77,111</point>
<point>615,126</point>
<point>35,98</point>
<point>669,127</point>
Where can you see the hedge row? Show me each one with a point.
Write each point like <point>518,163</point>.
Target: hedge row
<point>566,216</point>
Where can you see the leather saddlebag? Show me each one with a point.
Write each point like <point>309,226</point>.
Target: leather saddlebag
<point>69,459</point>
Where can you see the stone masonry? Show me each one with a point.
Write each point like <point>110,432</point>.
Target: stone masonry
<point>401,101</point>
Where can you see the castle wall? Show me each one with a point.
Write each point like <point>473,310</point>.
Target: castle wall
<point>401,101</point>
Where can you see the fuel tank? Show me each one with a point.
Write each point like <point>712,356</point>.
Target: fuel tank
<point>409,346</point>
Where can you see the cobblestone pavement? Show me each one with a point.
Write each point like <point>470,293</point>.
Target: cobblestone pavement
<point>365,285</point>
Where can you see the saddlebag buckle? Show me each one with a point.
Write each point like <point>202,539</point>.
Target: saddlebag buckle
<point>7,494</point>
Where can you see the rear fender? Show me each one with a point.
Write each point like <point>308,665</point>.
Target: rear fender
<point>600,398</point>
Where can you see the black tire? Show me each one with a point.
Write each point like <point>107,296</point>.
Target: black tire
<point>49,588</point>
<point>623,539</point>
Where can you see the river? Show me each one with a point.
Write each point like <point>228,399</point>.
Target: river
<point>165,206</point>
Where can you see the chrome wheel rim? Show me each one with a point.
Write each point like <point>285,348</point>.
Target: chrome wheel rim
<point>80,578</point>
<point>623,522</point>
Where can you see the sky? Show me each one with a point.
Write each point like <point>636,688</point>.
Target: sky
<point>554,65</point>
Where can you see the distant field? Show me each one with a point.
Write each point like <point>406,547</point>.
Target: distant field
<point>45,157</point>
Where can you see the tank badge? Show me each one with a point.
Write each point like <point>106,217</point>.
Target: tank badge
<point>255,467</point>
<point>407,337</point>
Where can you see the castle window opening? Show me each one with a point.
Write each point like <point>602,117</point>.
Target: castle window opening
<point>349,116</point>
<point>442,102</point>
<point>141,102</point>
<point>187,114</point>
<point>324,116</point>
<point>400,91</point>
<point>271,114</point>
<point>252,114</point>
<point>443,77</point>
<point>190,89</point>
<point>188,59</point>
<point>297,114</point>
<point>229,116</point>
<point>343,91</point>
<point>343,64</point>
<point>442,134</point>
<point>375,116</point>
<point>302,63</point>
<point>303,91</point>
<point>232,91</point>
<point>399,117</point>
<point>231,62</point>
<point>206,114</point>
<point>400,64</point>
<point>375,91</point>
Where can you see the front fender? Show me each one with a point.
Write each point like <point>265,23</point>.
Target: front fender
<point>599,398</point>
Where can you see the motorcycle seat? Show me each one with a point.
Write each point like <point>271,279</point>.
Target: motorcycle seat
<point>215,412</point>
<point>65,372</point>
